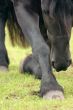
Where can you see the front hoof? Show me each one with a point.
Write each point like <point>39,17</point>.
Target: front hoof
<point>3,69</point>
<point>54,95</point>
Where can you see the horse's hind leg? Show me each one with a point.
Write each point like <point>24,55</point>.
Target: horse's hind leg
<point>28,22</point>
<point>4,61</point>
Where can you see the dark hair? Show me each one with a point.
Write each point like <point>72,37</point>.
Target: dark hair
<point>60,10</point>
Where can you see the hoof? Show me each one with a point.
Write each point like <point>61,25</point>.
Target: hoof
<point>3,69</point>
<point>54,95</point>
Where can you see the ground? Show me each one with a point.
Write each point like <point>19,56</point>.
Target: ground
<point>18,91</point>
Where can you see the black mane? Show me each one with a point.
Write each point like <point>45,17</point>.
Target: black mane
<point>61,10</point>
<point>60,7</point>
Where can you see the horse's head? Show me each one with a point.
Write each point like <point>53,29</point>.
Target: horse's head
<point>58,20</point>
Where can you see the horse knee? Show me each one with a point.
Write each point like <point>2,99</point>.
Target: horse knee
<point>43,50</point>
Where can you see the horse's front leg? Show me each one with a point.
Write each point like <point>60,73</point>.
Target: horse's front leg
<point>4,60</point>
<point>28,22</point>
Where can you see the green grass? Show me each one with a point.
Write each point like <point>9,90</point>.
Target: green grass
<point>17,90</point>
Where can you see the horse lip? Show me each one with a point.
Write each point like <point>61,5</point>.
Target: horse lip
<point>58,70</point>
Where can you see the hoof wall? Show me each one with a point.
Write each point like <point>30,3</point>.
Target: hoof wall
<point>54,95</point>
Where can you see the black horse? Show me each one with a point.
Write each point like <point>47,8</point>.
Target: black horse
<point>46,25</point>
